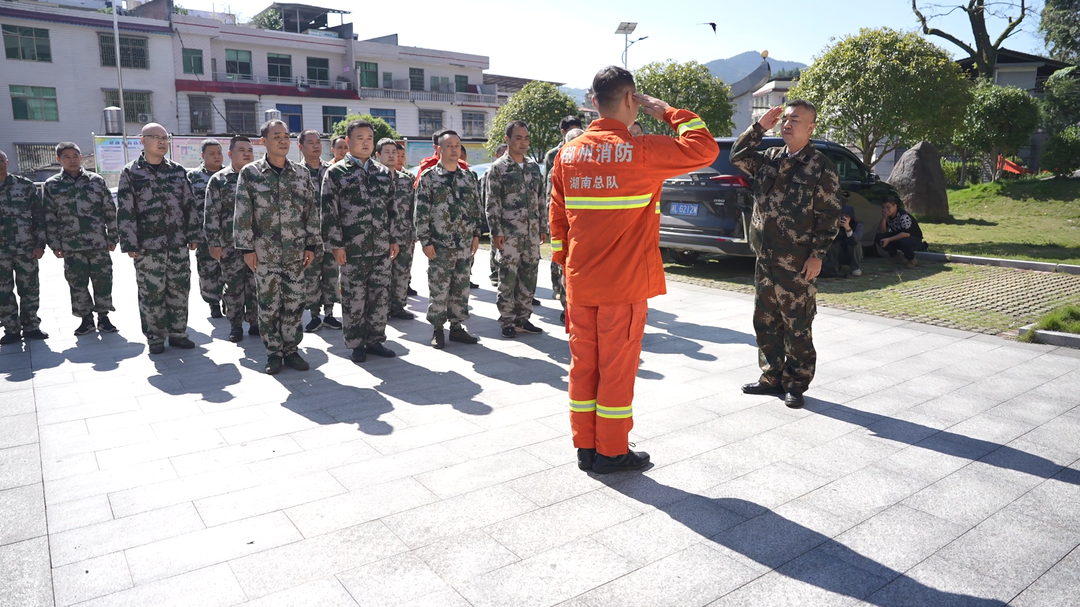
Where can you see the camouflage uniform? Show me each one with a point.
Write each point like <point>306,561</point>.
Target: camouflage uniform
<point>156,218</point>
<point>401,266</point>
<point>22,229</point>
<point>360,215</point>
<point>238,279</point>
<point>796,214</point>
<point>517,212</point>
<point>277,219</point>
<point>323,276</point>
<point>80,220</point>
<point>493,264</point>
<point>448,218</point>
<point>209,269</point>
<point>557,290</point>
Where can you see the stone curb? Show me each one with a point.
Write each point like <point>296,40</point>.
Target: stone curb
<point>1053,338</point>
<point>1039,266</point>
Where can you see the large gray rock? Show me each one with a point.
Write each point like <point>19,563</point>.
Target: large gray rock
<point>921,182</point>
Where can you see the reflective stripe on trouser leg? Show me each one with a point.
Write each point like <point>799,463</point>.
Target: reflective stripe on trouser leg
<point>584,376</point>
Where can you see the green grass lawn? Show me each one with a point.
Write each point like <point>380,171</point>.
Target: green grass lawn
<point>1016,219</point>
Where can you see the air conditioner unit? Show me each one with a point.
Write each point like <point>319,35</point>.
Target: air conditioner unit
<point>143,118</point>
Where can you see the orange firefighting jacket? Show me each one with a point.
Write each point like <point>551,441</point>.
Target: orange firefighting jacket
<point>605,206</point>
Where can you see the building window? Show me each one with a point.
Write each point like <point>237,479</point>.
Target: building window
<point>388,80</point>
<point>293,115</point>
<point>318,69</point>
<point>238,64</point>
<point>35,156</point>
<point>240,117</point>
<point>461,84</point>
<point>133,52</point>
<point>430,122</point>
<point>472,124</point>
<point>202,114</point>
<point>390,116</point>
<point>416,79</point>
<point>26,43</point>
<point>369,74</point>
<point>193,61</point>
<point>761,102</point>
<point>279,67</point>
<point>138,108</point>
<point>330,116</point>
<point>34,103</point>
<point>440,84</point>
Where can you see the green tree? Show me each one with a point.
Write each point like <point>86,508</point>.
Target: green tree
<point>998,122</point>
<point>1062,153</point>
<point>541,105</point>
<point>790,73</point>
<point>984,52</point>
<point>179,10</point>
<point>1061,99</point>
<point>382,127</point>
<point>1060,27</point>
<point>883,88</point>
<point>269,19</point>
<point>688,86</point>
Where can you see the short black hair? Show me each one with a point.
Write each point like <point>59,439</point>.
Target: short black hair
<point>359,124</point>
<point>237,139</point>
<point>570,122</point>
<point>399,146</point>
<point>803,104</point>
<point>334,141</point>
<point>442,133</point>
<point>67,145</point>
<point>610,84</point>
<point>305,133</point>
<point>266,126</point>
<point>384,142</point>
<point>207,143</point>
<point>515,124</point>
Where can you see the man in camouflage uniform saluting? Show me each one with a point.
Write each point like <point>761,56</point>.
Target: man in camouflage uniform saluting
<point>220,206</point>
<point>323,275</point>
<point>158,224</point>
<point>518,219</point>
<point>210,282</point>
<point>796,214</point>
<point>80,223</point>
<point>448,227</point>
<point>276,226</point>
<point>358,223</point>
<point>392,155</point>
<point>22,243</point>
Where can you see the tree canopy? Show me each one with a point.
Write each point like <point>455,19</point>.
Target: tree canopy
<point>269,19</point>
<point>541,105</point>
<point>1060,27</point>
<point>382,127</point>
<point>688,86</point>
<point>998,121</point>
<point>885,88</point>
<point>1061,99</point>
<point>984,51</point>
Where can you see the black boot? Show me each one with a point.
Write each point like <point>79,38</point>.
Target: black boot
<point>86,326</point>
<point>631,460</point>
<point>215,310</point>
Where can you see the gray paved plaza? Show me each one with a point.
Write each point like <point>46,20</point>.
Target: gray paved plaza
<point>930,467</point>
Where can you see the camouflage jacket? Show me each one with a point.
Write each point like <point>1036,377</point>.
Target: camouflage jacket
<point>316,174</point>
<point>80,214</point>
<point>448,209</point>
<point>514,199</point>
<point>155,208</point>
<point>405,203</point>
<point>276,215</point>
<point>22,224</point>
<point>199,178</point>
<point>549,159</point>
<point>220,205</point>
<point>358,212</point>
<point>796,201</point>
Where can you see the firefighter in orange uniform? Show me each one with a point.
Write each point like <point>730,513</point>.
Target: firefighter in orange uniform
<point>605,232</point>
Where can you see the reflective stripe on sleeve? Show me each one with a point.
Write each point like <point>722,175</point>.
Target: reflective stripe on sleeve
<point>614,412</point>
<point>608,203</point>
<point>582,406</point>
<point>556,245</point>
<point>693,125</point>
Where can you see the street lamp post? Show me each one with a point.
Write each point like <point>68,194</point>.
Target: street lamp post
<point>626,28</point>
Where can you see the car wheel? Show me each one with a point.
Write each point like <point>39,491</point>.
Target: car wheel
<point>685,257</point>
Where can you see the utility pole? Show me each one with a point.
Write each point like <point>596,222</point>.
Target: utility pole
<point>119,78</point>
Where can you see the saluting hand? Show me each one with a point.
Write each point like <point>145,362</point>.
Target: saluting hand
<point>771,117</point>
<point>651,105</point>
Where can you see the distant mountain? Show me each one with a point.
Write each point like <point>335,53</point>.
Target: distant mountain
<point>735,68</point>
<point>577,94</point>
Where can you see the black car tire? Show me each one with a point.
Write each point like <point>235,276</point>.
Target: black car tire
<point>684,257</point>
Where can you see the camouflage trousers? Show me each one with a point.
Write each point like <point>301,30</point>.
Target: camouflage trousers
<point>784,309</point>
<point>239,292</point>
<point>493,265</point>
<point>282,292</point>
<point>448,286</point>
<point>518,263</point>
<point>19,271</point>
<point>557,290</point>
<point>83,268</point>
<point>210,279</point>
<point>323,282</point>
<point>365,299</point>
<point>164,281</point>
<point>400,276</point>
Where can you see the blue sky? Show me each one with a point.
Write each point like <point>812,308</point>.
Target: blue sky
<point>567,42</point>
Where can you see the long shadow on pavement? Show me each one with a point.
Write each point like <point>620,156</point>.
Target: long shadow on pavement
<point>420,386</point>
<point>191,372</point>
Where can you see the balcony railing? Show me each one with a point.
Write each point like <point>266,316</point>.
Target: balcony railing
<point>298,81</point>
<point>227,77</point>
<point>403,95</point>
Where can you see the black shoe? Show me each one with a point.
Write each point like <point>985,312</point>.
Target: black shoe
<point>181,342</point>
<point>403,314</point>
<point>236,334</point>
<point>631,460</point>
<point>157,348</point>
<point>509,331</point>
<point>380,350</point>
<point>86,326</point>
<point>296,362</point>
<point>528,327</point>
<point>10,337</point>
<point>585,458</point>
<point>215,310</point>
<point>473,285</point>
<point>760,388</point>
<point>314,325</point>
<point>536,301</point>
<point>460,335</point>
<point>104,325</point>
<point>253,330</point>
<point>331,322</point>
<point>438,339</point>
<point>411,292</point>
<point>35,334</point>
<point>273,365</point>
<point>794,400</point>
<point>359,355</point>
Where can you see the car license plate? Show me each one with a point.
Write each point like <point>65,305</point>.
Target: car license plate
<point>684,208</point>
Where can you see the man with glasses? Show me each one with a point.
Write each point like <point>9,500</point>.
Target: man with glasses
<point>209,271</point>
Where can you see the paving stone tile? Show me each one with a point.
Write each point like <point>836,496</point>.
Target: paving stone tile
<point>27,578</point>
<point>62,430</point>
<point>844,455</point>
<point>210,587</point>
<point>426,524</point>
<point>142,416</point>
<point>360,506</point>
<point>24,514</point>
<point>1058,587</point>
<point>422,436</point>
<point>236,454</point>
<point>180,490</point>
<point>104,538</point>
<point>1056,432</point>
<point>384,468</point>
<point>17,402</point>
<point>463,557</point>
<point>20,429</point>
<point>91,578</point>
<point>319,593</point>
<point>78,410</point>
<point>19,466</point>
<point>897,538</point>
<point>966,496</point>
<point>768,487</point>
<point>87,443</point>
<point>481,472</point>
<point>162,448</point>
<point>91,483</point>
<point>445,598</point>
<point>500,440</point>
<point>267,497</point>
<point>863,493</point>
<point>937,581</point>
<point>392,581</point>
<point>78,513</point>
